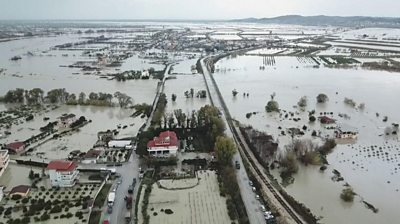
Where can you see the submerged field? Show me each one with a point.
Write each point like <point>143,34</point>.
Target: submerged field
<point>358,163</point>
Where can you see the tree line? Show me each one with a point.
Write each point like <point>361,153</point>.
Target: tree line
<point>37,96</point>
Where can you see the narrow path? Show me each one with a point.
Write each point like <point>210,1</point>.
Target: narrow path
<point>160,90</point>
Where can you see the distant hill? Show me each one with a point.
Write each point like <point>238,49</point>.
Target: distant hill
<point>351,21</point>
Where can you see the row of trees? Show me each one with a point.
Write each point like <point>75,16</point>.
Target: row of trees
<point>37,96</point>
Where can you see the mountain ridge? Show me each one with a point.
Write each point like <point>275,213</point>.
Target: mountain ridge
<point>322,20</point>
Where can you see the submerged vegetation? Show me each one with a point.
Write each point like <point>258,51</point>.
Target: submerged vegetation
<point>272,105</point>
<point>61,96</point>
<point>347,194</point>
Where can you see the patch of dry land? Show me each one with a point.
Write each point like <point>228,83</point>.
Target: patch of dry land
<point>197,204</point>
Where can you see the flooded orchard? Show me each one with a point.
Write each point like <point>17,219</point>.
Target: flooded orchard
<point>370,165</point>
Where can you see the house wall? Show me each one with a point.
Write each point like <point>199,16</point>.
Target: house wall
<point>89,161</point>
<point>158,151</point>
<point>118,144</point>
<point>66,123</point>
<point>63,179</point>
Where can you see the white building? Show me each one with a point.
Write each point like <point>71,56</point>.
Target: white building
<point>163,146</point>
<point>62,173</point>
<point>66,120</point>
<point>119,144</point>
<point>4,160</point>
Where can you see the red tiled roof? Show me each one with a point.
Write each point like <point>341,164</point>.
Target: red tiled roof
<point>15,145</point>
<point>61,165</point>
<point>166,139</point>
<point>20,189</point>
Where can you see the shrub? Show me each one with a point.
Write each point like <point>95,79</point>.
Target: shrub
<point>347,194</point>
<point>78,214</point>
<point>322,98</point>
<point>272,106</point>
<point>16,197</point>
<point>44,217</point>
<point>25,200</point>
<point>302,102</point>
<point>168,211</point>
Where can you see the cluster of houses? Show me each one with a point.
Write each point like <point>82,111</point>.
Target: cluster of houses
<point>61,173</point>
<point>64,173</point>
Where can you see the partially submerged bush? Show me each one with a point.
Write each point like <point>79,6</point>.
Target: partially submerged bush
<point>302,102</point>
<point>322,98</point>
<point>347,194</point>
<point>272,106</point>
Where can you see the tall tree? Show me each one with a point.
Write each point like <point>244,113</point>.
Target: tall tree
<point>225,148</point>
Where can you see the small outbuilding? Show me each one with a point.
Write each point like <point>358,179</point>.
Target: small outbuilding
<point>15,147</point>
<point>22,190</point>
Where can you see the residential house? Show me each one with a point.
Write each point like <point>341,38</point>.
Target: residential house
<point>92,156</point>
<point>346,132</point>
<point>105,136</point>
<point>22,190</point>
<point>166,144</point>
<point>15,147</point>
<point>63,173</point>
<point>326,120</point>
<point>66,120</point>
<point>4,160</point>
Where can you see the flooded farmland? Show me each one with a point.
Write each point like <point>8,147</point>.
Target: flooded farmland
<point>66,93</point>
<point>370,165</point>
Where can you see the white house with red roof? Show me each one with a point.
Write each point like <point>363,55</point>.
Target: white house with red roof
<point>63,173</point>
<point>166,144</point>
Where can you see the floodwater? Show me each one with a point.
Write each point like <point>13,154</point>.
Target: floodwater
<point>373,173</point>
<point>82,140</point>
<point>181,84</point>
<point>41,69</point>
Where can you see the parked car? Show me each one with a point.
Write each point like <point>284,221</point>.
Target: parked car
<point>262,207</point>
<point>130,189</point>
<point>257,197</point>
<point>134,181</point>
<point>253,189</point>
<point>109,209</point>
<point>237,164</point>
<point>128,202</point>
<point>119,180</point>
<point>251,183</point>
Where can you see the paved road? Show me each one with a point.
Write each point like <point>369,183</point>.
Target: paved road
<point>159,91</point>
<point>128,171</point>
<point>248,196</point>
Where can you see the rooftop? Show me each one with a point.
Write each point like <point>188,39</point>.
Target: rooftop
<point>61,165</point>
<point>20,189</point>
<point>15,145</point>
<point>165,139</point>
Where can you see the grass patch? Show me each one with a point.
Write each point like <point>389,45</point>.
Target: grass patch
<point>101,197</point>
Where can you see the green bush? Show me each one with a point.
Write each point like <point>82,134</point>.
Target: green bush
<point>272,106</point>
<point>44,217</point>
<point>25,200</point>
<point>16,197</point>
<point>347,194</point>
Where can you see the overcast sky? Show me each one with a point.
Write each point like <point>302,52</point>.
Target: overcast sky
<point>190,9</point>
